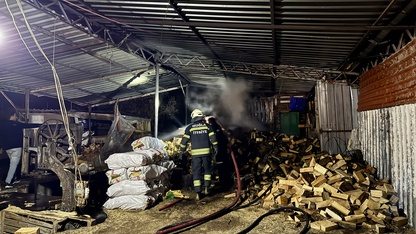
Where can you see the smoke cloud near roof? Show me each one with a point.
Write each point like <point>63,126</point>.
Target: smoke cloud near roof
<point>228,101</point>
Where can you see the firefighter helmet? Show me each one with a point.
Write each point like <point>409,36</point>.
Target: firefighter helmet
<point>197,113</point>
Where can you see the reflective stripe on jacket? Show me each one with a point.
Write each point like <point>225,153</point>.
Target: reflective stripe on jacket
<point>201,136</point>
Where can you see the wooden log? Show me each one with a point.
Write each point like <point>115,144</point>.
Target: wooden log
<point>340,208</point>
<point>345,225</point>
<point>394,210</point>
<point>373,205</point>
<point>399,221</point>
<point>338,164</point>
<point>340,195</point>
<point>334,178</point>
<point>323,204</point>
<point>356,218</point>
<point>389,189</point>
<point>380,228</point>
<point>378,193</point>
<point>317,191</point>
<point>333,214</point>
<point>358,176</point>
<point>394,200</point>
<point>329,188</point>
<point>327,226</point>
<point>320,169</point>
<point>318,181</point>
<point>367,225</point>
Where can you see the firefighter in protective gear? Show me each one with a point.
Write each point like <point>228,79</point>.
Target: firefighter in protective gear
<point>202,137</point>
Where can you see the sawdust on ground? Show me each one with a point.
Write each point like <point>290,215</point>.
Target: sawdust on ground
<point>151,220</point>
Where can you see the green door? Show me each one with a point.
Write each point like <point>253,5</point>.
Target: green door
<point>289,123</point>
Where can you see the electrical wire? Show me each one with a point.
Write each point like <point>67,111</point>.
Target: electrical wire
<point>59,92</point>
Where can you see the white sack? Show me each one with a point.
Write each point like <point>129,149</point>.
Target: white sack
<point>129,202</point>
<point>146,173</point>
<point>128,187</point>
<point>116,175</point>
<point>147,142</point>
<point>131,159</point>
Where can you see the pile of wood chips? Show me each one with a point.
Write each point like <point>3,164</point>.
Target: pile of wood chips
<point>337,191</point>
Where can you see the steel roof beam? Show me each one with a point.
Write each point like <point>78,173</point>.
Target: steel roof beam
<point>266,70</point>
<point>193,28</point>
<point>324,29</point>
<point>93,27</point>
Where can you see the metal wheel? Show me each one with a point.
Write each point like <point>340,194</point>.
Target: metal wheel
<point>52,135</point>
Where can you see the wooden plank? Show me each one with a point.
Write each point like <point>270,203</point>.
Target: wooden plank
<point>28,230</point>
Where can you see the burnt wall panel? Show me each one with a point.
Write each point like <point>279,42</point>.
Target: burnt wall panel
<point>392,82</point>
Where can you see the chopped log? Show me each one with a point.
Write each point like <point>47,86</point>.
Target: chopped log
<point>394,200</point>
<point>340,208</point>
<point>380,228</point>
<point>323,204</point>
<point>358,176</point>
<point>333,214</point>
<point>373,205</point>
<point>345,225</point>
<point>367,225</point>
<point>338,164</point>
<point>394,210</point>
<point>28,230</point>
<point>378,193</point>
<point>340,195</point>
<point>399,221</point>
<point>320,169</point>
<point>327,226</point>
<point>318,181</point>
<point>356,218</point>
<point>334,179</point>
<point>389,189</point>
<point>306,169</point>
<point>329,188</point>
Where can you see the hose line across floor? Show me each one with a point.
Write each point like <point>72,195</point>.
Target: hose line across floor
<point>178,227</point>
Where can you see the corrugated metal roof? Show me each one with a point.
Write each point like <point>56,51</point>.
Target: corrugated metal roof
<point>100,49</point>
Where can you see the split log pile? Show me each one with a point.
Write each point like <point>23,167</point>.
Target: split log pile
<point>338,191</point>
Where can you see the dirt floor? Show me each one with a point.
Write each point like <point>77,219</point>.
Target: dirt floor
<point>151,220</point>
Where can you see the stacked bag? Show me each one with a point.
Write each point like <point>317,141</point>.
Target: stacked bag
<point>139,178</point>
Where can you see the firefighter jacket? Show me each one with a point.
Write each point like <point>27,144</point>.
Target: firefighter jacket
<point>201,136</point>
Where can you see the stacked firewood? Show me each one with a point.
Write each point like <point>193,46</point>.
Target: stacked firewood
<point>338,191</point>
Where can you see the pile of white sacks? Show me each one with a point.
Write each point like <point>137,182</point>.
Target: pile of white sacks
<point>139,178</point>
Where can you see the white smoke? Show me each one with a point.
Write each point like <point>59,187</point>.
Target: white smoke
<point>228,102</point>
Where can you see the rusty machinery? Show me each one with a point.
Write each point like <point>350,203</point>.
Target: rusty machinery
<point>54,153</point>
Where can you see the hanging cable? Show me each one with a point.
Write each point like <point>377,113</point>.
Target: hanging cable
<point>59,93</point>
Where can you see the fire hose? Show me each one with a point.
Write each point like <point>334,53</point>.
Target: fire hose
<point>195,222</point>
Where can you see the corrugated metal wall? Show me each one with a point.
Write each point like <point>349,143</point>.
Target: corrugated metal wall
<point>334,105</point>
<point>387,138</point>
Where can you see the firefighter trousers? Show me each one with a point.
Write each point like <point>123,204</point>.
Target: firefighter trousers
<point>201,165</point>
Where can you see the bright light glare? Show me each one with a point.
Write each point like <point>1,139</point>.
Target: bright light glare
<point>1,36</point>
